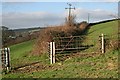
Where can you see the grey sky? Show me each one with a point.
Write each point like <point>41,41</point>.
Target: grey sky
<point>35,19</point>
<point>24,19</point>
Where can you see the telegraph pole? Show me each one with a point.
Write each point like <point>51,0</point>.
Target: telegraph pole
<point>69,17</point>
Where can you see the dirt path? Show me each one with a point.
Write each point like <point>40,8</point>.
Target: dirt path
<point>30,68</point>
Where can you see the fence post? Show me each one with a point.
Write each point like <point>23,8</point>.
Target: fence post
<point>53,52</point>
<point>8,53</point>
<point>103,45</point>
<point>7,56</point>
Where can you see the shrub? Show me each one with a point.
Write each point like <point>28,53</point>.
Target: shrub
<point>47,35</point>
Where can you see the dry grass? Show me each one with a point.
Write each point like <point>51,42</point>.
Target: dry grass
<point>47,35</point>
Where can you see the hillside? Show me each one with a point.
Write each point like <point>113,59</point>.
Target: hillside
<point>26,29</point>
<point>94,65</point>
<point>107,28</point>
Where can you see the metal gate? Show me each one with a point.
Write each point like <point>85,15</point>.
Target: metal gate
<point>76,44</point>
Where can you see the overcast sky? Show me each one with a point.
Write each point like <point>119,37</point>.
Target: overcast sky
<point>34,14</point>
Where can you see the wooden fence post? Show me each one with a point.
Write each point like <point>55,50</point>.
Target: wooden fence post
<point>0,57</point>
<point>8,53</point>
<point>5,56</point>
<point>52,52</point>
<point>103,45</point>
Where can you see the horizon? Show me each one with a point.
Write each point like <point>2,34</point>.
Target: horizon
<point>55,26</point>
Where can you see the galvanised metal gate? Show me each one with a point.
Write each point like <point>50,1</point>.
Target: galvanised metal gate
<point>75,44</point>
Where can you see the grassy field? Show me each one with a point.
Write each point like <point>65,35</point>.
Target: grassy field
<point>21,54</point>
<point>108,28</point>
<point>79,66</point>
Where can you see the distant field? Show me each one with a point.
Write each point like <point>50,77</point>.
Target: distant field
<point>87,66</point>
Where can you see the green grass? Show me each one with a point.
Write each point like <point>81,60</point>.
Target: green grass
<point>91,67</point>
<point>21,54</point>
<point>109,29</point>
<point>101,65</point>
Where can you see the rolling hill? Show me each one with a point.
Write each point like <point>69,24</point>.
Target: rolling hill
<point>78,66</point>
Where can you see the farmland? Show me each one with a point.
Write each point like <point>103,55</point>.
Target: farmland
<point>78,66</point>
<point>23,55</point>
